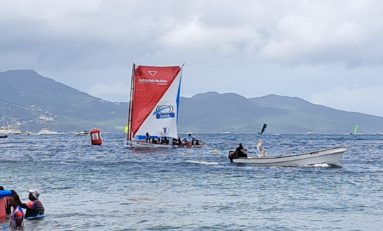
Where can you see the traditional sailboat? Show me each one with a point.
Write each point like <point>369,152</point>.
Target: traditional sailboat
<point>153,108</point>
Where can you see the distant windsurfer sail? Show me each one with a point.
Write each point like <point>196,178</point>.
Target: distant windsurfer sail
<point>126,129</point>
<point>355,130</point>
<point>263,129</point>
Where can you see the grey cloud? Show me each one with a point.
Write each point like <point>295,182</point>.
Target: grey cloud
<point>251,47</point>
<point>324,32</point>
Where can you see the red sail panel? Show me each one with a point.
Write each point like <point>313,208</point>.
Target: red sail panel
<point>150,84</point>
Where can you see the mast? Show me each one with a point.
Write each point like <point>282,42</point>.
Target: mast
<point>129,135</point>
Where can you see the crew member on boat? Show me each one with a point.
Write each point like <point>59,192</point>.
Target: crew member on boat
<point>261,149</point>
<point>190,140</point>
<point>177,141</point>
<point>164,140</point>
<point>240,151</point>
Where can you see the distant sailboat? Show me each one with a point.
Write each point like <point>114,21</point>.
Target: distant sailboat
<point>46,130</point>
<point>355,130</point>
<point>4,129</point>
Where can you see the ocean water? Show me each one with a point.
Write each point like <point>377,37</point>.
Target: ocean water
<point>110,187</point>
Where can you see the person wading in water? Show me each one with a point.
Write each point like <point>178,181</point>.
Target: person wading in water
<point>34,207</point>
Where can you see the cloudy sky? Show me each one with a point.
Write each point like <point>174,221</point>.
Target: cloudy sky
<point>328,52</point>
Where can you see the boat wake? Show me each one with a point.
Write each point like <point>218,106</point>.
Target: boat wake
<point>202,162</point>
<point>323,165</point>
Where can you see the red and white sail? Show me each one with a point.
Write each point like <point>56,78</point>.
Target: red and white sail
<point>154,101</point>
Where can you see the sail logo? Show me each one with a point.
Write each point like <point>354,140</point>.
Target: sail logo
<point>152,73</point>
<point>165,131</point>
<point>164,111</point>
<point>153,81</point>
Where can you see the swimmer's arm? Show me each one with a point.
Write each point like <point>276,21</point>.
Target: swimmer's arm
<point>23,205</point>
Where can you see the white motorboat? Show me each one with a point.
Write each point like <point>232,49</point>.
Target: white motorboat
<point>329,156</point>
<point>10,131</point>
<point>4,130</point>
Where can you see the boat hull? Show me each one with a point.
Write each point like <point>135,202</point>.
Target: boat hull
<point>143,144</point>
<point>328,156</point>
<point>188,146</point>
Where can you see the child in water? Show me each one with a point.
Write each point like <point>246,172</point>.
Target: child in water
<point>17,215</point>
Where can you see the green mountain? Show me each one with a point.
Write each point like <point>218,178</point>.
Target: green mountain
<point>213,112</point>
<point>29,99</point>
<point>33,102</point>
<point>307,116</point>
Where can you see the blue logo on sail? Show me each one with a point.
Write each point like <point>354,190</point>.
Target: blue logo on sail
<point>164,111</point>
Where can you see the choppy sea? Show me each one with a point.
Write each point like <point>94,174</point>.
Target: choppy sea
<point>110,187</point>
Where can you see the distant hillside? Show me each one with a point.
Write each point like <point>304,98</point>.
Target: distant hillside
<point>213,112</point>
<point>305,115</point>
<point>26,98</point>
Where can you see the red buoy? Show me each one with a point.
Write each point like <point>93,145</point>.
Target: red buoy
<point>95,136</point>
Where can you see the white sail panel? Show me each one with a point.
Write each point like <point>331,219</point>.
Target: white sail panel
<point>162,121</point>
